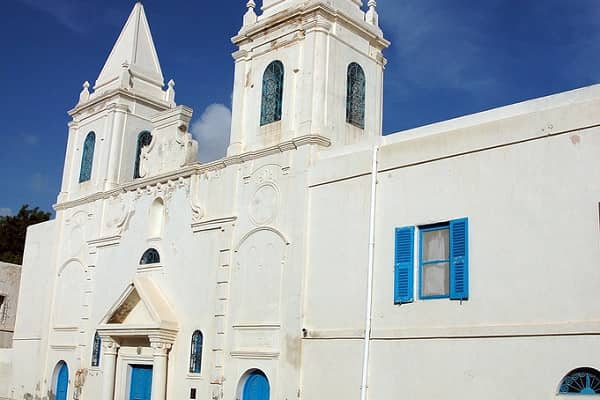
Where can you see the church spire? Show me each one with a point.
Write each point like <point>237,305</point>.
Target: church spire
<point>133,58</point>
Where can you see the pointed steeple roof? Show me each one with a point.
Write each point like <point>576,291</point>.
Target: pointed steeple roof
<point>134,52</point>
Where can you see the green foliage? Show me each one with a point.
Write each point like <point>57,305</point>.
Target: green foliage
<point>13,230</point>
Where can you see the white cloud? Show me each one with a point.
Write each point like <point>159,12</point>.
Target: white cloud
<point>5,211</point>
<point>212,132</point>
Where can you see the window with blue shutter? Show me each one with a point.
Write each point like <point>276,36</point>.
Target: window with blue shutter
<point>404,265</point>
<point>459,259</point>
<point>444,260</point>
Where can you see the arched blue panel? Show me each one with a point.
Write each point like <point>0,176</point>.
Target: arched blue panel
<point>256,387</point>
<point>584,381</point>
<point>196,353</point>
<point>62,381</point>
<point>272,93</point>
<point>96,350</point>
<point>355,96</point>
<point>144,139</point>
<point>150,256</point>
<point>87,159</point>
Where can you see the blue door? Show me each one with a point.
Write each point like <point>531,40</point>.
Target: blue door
<point>256,387</point>
<point>62,382</point>
<point>141,382</point>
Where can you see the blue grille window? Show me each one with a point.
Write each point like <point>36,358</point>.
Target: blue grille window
<point>355,96</point>
<point>87,159</point>
<point>272,93</point>
<point>585,381</point>
<point>196,353</point>
<point>96,351</point>
<point>144,139</point>
<point>150,256</point>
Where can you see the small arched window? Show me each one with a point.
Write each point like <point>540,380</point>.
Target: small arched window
<point>144,139</point>
<point>272,93</point>
<point>96,350</point>
<point>87,159</point>
<point>355,96</point>
<point>196,353</point>
<point>150,256</point>
<point>581,381</point>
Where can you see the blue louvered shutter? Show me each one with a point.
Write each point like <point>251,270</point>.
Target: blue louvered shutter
<point>459,259</point>
<point>404,265</point>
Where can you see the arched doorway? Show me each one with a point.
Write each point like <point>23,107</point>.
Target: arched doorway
<point>62,381</point>
<point>256,387</point>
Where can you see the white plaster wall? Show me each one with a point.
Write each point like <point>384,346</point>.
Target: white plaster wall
<point>32,323</point>
<point>494,368</point>
<point>6,356</point>
<point>336,272</point>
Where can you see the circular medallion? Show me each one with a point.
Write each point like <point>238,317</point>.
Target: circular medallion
<point>264,204</point>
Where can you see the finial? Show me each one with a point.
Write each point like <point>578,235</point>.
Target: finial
<point>372,17</point>
<point>250,16</point>
<point>170,95</point>
<point>85,93</point>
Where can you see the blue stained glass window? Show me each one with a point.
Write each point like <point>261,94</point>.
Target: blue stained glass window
<point>87,159</point>
<point>96,351</point>
<point>272,93</point>
<point>150,256</point>
<point>144,139</point>
<point>585,381</point>
<point>355,96</point>
<point>196,353</point>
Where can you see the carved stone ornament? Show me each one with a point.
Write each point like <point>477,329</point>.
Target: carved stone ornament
<point>118,213</point>
<point>172,146</point>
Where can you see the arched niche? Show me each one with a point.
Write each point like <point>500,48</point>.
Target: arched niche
<point>68,297</point>
<point>156,218</point>
<point>256,278</point>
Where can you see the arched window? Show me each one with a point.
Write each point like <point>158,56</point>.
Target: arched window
<point>87,159</point>
<point>196,353</point>
<point>150,256</point>
<point>355,96</point>
<point>272,93</point>
<point>144,139</point>
<point>581,381</point>
<point>96,350</point>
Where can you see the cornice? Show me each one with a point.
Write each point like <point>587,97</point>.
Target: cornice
<point>375,36</point>
<point>198,168</point>
<point>119,92</point>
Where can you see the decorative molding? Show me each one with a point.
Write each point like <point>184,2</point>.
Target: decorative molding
<point>198,168</point>
<point>213,224</point>
<point>262,228</point>
<point>253,326</point>
<point>66,329</point>
<point>104,242</point>
<point>255,355</point>
<point>63,347</point>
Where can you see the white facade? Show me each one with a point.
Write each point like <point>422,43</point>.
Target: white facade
<point>283,253</point>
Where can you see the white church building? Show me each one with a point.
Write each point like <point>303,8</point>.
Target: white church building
<point>318,259</point>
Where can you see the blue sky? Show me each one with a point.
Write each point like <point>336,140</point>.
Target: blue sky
<point>448,58</point>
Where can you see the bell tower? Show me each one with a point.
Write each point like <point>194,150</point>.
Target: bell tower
<point>307,67</point>
<point>107,122</point>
